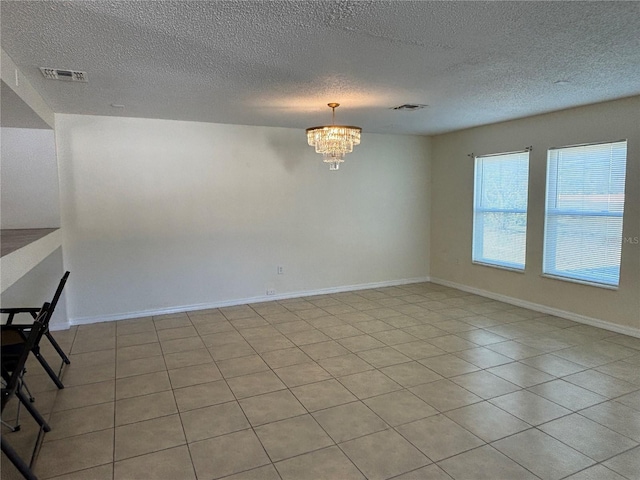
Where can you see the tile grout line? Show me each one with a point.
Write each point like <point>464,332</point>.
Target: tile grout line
<point>175,401</point>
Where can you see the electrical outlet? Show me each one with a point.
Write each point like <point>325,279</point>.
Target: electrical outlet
<point>271,291</point>
<point>280,270</point>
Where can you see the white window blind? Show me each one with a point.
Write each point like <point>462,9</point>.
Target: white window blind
<point>584,208</point>
<point>500,209</point>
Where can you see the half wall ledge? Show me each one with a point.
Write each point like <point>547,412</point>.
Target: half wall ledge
<point>23,249</point>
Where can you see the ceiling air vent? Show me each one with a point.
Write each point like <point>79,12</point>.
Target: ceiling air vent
<point>64,75</point>
<point>410,107</point>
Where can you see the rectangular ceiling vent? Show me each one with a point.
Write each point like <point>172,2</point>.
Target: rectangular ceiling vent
<point>64,75</point>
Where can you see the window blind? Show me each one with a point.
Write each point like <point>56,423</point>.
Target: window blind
<point>584,210</point>
<point>500,209</point>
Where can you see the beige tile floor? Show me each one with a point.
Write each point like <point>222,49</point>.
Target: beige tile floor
<point>410,382</point>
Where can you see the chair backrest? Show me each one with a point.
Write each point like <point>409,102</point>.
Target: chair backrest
<point>18,360</point>
<point>17,335</point>
<point>43,315</point>
<point>56,297</point>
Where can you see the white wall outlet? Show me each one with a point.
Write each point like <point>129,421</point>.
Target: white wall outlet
<point>280,270</point>
<point>271,291</point>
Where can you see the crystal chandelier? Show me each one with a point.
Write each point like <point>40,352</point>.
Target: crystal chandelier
<point>333,141</point>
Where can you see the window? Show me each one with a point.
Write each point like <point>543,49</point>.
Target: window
<point>500,209</point>
<point>583,217</point>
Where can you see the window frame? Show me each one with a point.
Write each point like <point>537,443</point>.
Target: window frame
<point>478,208</point>
<point>555,212</point>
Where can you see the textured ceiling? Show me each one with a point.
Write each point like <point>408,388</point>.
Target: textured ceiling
<point>278,63</point>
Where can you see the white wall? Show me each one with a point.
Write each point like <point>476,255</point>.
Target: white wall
<point>29,179</point>
<point>452,203</point>
<point>164,214</point>
<point>29,192</point>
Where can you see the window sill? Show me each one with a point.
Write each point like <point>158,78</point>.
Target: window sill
<point>499,267</point>
<point>580,282</point>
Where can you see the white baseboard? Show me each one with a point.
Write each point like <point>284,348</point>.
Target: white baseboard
<point>594,322</point>
<point>237,301</point>
<point>59,326</point>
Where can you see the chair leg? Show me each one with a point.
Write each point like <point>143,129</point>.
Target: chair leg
<point>16,426</point>
<point>12,428</point>
<point>48,369</point>
<point>63,355</point>
<point>32,410</point>
<point>26,387</point>
<point>20,464</point>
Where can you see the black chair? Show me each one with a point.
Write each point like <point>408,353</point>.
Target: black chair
<point>12,342</point>
<point>33,311</point>
<point>17,342</point>
<point>17,461</point>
